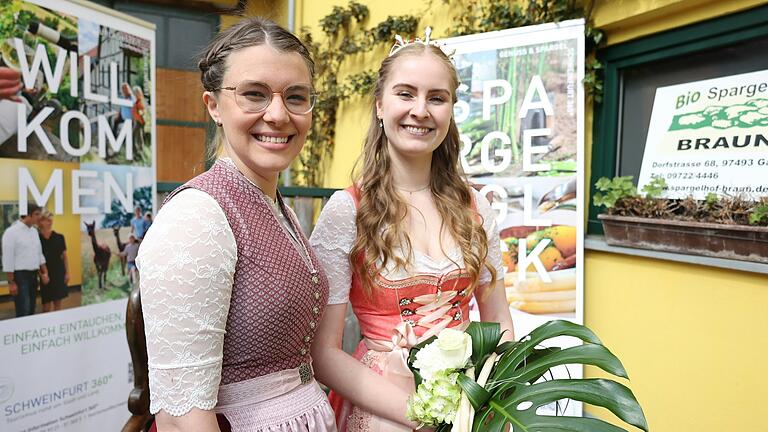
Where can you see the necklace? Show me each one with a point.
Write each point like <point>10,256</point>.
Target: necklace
<point>412,191</point>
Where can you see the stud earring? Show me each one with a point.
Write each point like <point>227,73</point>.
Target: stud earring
<point>381,123</point>
<point>218,124</point>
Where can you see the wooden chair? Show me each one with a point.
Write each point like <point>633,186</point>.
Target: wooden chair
<point>138,398</point>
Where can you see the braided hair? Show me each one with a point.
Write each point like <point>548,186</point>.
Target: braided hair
<point>251,31</point>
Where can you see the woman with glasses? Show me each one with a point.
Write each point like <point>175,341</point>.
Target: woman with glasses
<point>231,291</point>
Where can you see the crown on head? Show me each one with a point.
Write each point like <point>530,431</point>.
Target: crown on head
<point>400,43</point>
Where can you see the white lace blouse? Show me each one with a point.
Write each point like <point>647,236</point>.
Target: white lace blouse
<point>187,264</point>
<point>335,232</point>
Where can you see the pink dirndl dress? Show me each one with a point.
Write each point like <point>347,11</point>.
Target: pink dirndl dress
<point>400,314</point>
<point>252,318</point>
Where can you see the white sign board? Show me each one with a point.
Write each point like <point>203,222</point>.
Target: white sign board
<point>710,137</point>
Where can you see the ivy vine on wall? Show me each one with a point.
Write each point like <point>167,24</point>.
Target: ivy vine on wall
<point>345,33</point>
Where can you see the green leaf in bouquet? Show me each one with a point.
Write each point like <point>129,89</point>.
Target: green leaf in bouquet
<point>485,338</point>
<point>506,408</point>
<point>477,395</point>
<point>506,346</point>
<point>516,394</point>
<point>591,354</point>
<point>521,351</point>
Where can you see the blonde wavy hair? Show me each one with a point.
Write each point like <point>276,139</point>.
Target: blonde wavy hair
<point>381,209</point>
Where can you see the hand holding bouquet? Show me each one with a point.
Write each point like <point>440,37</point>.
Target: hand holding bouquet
<point>466,381</point>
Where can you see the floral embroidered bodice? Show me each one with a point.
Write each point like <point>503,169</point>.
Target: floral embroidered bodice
<point>429,295</point>
<point>229,290</point>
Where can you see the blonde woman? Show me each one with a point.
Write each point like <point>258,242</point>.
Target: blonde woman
<point>137,113</point>
<point>408,245</point>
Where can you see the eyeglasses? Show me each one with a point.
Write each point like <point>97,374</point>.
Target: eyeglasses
<point>254,96</point>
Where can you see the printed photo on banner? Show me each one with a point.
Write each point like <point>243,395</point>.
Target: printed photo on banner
<point>77,169</point>
<point>520,115</point>
<point>74,138</point>
<point>118,196</point>
<point>710,137</point>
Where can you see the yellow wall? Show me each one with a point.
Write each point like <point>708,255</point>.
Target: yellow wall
<point>690,336</point>
<point>276,10</point>
<point>687,334</point>
<point>354,117</point>
<point>624,20</point>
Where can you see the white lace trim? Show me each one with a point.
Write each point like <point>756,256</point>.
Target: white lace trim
<point>187,265</point>
<point>335,233</point>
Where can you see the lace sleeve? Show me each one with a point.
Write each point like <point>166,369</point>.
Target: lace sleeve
<point>494,242</point>
<point>186,264</point>
<point>332,240</point>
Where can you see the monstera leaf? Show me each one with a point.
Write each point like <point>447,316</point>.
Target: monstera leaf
<point>515,389</point>
<point>515,393</point>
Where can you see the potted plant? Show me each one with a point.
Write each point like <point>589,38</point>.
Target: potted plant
<point>719,226</point>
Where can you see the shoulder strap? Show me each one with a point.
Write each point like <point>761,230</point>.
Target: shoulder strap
<point>354,191</point>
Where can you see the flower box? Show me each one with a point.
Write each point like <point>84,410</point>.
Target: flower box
<point>741,242</point>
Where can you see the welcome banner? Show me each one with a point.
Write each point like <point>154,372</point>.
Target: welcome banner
<point>521,117</point>
<point>82,145</point>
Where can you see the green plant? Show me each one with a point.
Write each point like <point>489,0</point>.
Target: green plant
<point>612,190</point>
<point>619,196</point>
<point>655,188</point>
<point>759,215</point>
<point>346,35</point>
<point>517,385</point>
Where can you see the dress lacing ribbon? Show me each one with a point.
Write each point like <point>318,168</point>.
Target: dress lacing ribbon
<point>394,365</point>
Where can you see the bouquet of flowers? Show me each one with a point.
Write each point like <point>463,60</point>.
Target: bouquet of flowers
<point>466,381</point>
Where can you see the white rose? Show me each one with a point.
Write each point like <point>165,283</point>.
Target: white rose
<point>451,350</point>
<point>428,361</point>
<point>456,348</point>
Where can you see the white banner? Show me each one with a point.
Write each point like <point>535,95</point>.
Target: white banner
<point>710,137</point>
<point>66,371</point>
<point>521,117</point>
<point>80,142</point>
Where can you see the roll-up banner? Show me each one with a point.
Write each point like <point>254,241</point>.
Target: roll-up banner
<point>79,142</point>
<point>521,117</point>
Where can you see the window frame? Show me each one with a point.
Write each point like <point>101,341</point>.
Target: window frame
<point>706,35</point>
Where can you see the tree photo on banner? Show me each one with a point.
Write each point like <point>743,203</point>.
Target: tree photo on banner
<point>77,140</point>
<point>520,113</point>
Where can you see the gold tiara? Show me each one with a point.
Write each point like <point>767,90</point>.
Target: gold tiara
<point>401,43</point>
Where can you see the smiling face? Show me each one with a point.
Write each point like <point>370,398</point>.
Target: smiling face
<point>264,143</point>
<point>416,104</point>
<point>45,223</point>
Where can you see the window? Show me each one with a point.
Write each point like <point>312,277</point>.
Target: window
<point>634,70</point>
<point>181,34</point>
